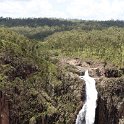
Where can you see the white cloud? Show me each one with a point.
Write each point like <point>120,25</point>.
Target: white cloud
<point>39,8</point>
<point>82,9</point>
<point>29,8</point>
<point>61,1</point>
<point>96,9</point>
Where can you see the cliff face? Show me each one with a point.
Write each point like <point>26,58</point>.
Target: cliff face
<point>110,87</point>
<point>4,110</point>
<point>110,108</point>
<point>110,103</point>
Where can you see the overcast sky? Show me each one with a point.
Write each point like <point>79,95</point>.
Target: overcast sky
<point>77,9</point>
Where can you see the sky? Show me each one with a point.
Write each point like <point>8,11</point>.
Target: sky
<point>67,9</point>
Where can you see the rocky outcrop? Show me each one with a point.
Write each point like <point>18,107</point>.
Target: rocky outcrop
<point>4,110</point>
<point>111,101</point>
<point>110,87</point>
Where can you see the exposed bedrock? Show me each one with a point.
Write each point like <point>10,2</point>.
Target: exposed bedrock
<point>110,104</point>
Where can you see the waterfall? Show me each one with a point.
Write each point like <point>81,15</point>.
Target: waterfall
<point>87,114</point>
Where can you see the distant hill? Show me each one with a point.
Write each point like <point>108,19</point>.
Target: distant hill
<point>35,22</point>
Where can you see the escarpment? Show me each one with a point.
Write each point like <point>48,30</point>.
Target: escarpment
<point>110,87</point>
<point>111,101</point>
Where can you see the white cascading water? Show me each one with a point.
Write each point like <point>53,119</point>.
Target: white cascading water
<point>87,114</point>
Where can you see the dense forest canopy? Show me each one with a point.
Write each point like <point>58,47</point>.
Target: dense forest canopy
<point>40,28</point>
<point>107,44</point>
<point>35,22</point>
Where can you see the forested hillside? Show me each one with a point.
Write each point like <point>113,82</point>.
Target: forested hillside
<point>38,73</point>
<point>107,45</point>
<point>39,28</point>
<point>32,81</point>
